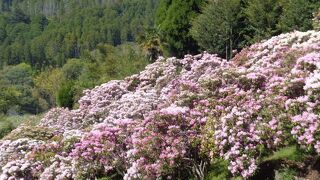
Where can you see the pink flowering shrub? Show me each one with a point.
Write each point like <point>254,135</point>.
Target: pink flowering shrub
<point>105,148</point>
<point>238,139</point>
<point>59,118</point>
<point>60,168</point>
<point>179,115</point>
<point>306,129</point>
<point>164,142</point>
<point>14,160</point>
<point>21,169</point>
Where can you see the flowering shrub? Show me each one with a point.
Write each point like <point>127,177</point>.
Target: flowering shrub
<point>164,141</point>
<point>306,128</point>
<point>104,148</point>
<point>13,159</point>
<point>21,168</point>
<point>178,115</point>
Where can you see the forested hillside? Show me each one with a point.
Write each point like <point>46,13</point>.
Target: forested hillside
<point>47,33</point>
<point>64,47</point>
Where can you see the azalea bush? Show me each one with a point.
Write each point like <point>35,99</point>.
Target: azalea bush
<point>165,143</point>
<point>179,117</point>
<point>105,149</point>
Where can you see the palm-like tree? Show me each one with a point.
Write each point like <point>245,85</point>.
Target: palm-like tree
<point>316,20</point>
<point>151,43</point>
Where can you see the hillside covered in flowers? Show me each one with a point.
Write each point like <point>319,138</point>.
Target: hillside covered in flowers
<point>184,118</point>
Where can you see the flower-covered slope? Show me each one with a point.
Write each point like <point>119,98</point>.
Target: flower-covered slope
<point>179,115</point>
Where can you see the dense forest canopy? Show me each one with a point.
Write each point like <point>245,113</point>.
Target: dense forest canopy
<point>47,33</point>
<point>51,8</point>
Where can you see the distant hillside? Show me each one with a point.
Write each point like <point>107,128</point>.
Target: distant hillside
<point>51,8</point>
<point>47,33</point>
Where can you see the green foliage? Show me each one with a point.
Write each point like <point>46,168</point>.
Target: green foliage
<point>104,178</point>
<point>50,51</point>
<point>71,34</point>
<point>219,170</point>
<point>27,119</point>
<point>64,29</point>
<point>151,43</point>
<point>32,132</point>
<point>46,86</point>
<point>174,23</point>
<point>109,63</point>
<point>285,174</point>
<point>68,144</point>
<point>9,123</point>
<point>18,75</point>
<point>9,96</point>
<point>65,95</point>
<point>297,15</point>
<point>72,69</point>
<point>287,153</point>
<point>18,16</point>
<point>224,26</point>
<point>45,157</point>
<point>16,89</point>
<point>263,17</point>
<point>218,28</point>
<point>272,17</point>
<point>6,126</point>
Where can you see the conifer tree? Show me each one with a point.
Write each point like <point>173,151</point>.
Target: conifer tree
<point>174,22</point>
<point>217,29</point>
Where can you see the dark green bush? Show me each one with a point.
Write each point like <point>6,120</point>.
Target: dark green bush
<point>6,126</point>
<point>65,95</point>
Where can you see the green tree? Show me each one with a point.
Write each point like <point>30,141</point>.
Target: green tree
<point>38,24</point>
<point>9,97</point>
<point>151,43</point>
<point>73,69</point>
<point>65,95</point>
<point>47,33</point>
<point>46,86</point>
<point>174,22</point>
<point>3,33</point>
<point>17,85</point>
<point>297,15</point>
<point>218,28</point>
<point>18,16</point>
<point>6,126</point>
<point>263,17</point>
